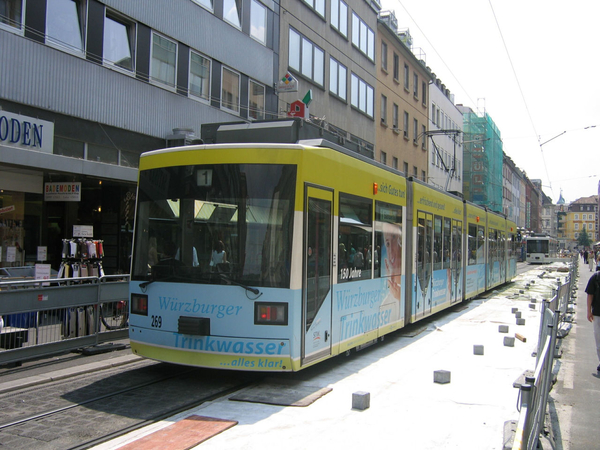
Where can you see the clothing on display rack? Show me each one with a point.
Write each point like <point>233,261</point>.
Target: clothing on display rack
<point>81,258</point>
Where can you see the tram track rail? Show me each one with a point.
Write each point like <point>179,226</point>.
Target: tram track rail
<point>86,410</point>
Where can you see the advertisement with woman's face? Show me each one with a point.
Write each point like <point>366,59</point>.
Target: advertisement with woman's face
<point>392,258</point>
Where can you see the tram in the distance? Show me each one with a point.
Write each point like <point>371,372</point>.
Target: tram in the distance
<point>541,249</point>
<point>273,257</point>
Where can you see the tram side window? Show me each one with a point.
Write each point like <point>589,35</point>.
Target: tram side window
<point>493,245</point>
<point>387,256</point>
<point>456,244</point>
<point>355,254</point>
<point>447,242</point>
<point>472,245</point>
<point>502,246</point>
<point>480,245</point>
<point>437,243</point>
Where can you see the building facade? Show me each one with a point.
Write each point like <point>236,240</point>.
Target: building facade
<point>87,85</point>
<point>582,215</point>
<point>548,217</point>
<point>445,139</point>
<point>328,48</point>
<point>483,160</point>
<point>512,184</point>
<point>402,99</point>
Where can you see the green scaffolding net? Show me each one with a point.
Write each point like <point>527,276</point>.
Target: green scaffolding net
<point>482,156</point>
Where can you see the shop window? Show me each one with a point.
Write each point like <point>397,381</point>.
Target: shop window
<point>102,154</point>
<point>12,232</point>
<point>130,159</point>
<point>64,24</point>
<point>69,147</point>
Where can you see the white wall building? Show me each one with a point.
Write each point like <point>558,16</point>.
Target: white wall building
<point>445,139</point>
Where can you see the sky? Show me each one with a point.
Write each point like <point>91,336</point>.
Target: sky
<point>533,66</point>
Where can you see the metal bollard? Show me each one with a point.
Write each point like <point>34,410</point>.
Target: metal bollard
<point>524,396</point>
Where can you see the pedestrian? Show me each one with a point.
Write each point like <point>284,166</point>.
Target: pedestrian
<point>593,309</point>
<point>591,260</point>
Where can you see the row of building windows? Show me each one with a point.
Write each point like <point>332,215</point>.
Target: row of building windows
<point>307,59</point>
<point>585,216</point>
<point>93,152</point>
<point>440,119</point>
<point>363,36</point>
<point>418,132</point>
<point>443,159</point>
<point>406,79</point>
<point>65,21</point>
<point>415,172</point>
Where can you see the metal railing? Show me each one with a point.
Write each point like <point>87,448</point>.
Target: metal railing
<point>533,394</point>
<point>42,317</point>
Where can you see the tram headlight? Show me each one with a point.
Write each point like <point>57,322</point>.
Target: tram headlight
<point>270,313</point>
<point>139,304</point>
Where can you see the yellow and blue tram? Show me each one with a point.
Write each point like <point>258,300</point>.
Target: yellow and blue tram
<point>274,257</point>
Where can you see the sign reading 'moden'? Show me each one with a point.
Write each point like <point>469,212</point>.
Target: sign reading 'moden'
<point>26,132</point>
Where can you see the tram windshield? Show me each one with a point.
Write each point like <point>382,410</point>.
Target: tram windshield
<point>215,224</point>
<point>537,246</point>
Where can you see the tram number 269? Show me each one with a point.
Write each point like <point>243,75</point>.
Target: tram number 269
<point>156,321</point>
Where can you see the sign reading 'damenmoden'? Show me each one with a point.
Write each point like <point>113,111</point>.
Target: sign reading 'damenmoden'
<point>62,192</point>
<point>25,132</point>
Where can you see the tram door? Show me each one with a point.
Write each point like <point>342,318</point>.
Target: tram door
<point>422,298</point>
<point>317,261</point>
<point>456,262</point>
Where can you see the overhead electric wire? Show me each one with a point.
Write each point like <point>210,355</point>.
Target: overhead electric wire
<point>437,53</point>
<point>521,92</point>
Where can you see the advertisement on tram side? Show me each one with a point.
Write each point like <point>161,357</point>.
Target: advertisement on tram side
<point>476,247</point>
<point>437,243</point>
<point>157,335</point>
<point>496,252</point>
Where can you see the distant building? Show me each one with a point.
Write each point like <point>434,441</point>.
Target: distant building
<point>445,139</point>
<point>402,101</point>
<point>533,206</point>
<point>329,48</point>
<point>512,185</point>
<point>582,215</point>
<point>483,159</point>
<point>89,85</point>
<point>548,222</point>
<point>561,217</point>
